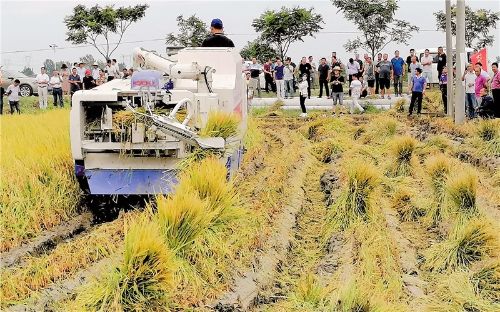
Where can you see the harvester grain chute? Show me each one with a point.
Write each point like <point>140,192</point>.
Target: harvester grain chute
<point>128,137</point>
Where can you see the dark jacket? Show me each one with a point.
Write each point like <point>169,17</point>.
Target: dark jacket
<point>218,40</point>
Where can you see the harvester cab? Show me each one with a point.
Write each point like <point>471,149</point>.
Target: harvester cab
<point>129,136</point>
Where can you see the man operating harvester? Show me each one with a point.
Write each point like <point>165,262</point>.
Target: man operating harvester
<point>217,38</point>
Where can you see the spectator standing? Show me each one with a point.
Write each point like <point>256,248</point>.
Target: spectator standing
<point>95,71</point>
<point>352,69</point>
<point>408,62</point>
<point>65,75</point>
<point>398,69</point>
<point>288,77</point>
<point>356,88</point>
<point>377,73</point>
<point>414,64</point>
<point>483,72</point>
<point>426,62</point>
<point>13,96</point>
<point>305,69</point>
<point>116,68</point>
<point>124,74</point>
<point>314,73</point>
<point>130,72</point>
<point>370,75</point>
<point>443,82</point>
<point>360,63</point>
<point>323,70</point>
<point>479,83</point>
<point>42,81</point>
<point>102,78</point>
<point>418,84</point>
<point>88,80</point>
<point>279,75</point>
<point>110,70</point>
<point>268,76</point>
<point>304,91</point>
<point>385,76</point>
<point>56,84</point>
<point>336,81</point>
<point>74,81</point>
<point>81,70</point>
<point>469,79</point>
<point>255,70</point>
<point>495,88</point>
<point>441,61</point>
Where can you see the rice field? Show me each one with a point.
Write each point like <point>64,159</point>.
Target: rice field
<point>370,212</point>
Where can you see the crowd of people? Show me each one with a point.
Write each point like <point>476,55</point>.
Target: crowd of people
<point>373,78</point>
<point>66,82</point>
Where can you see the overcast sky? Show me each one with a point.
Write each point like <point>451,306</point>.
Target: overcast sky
<point>34,25</point>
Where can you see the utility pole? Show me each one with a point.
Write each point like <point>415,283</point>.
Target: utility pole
<point>449,60</point>
<point>460,68</point>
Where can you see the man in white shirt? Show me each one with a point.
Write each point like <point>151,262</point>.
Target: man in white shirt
<point>13,95</point>
<point>95,71</point>
<point>426,62</point>
<point>81,70</point>
<point>56,84</point>
<point>469,79</point>
<point>356,87</point>
<point>42,80</point>
<point>116,68</point>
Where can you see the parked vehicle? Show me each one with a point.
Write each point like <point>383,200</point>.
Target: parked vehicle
<point>28,85</point>
<point>434,53</point>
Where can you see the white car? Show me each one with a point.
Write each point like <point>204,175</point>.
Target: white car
<point>434,53</point>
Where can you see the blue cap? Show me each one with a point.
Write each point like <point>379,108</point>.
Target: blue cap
<point>216,23</point>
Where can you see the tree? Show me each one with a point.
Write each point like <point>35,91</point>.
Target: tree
<point>282,28</point>
<point>89,60</point>
<point>88,25</point>
<point>375,20</point>
<point>28,71</point>
<point>192,32</point>
<point>478,25</point>
<point>258,49</point>
<point>49,66</point>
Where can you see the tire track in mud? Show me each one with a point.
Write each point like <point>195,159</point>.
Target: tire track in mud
<point>247,285</point>
<point>48,240</point>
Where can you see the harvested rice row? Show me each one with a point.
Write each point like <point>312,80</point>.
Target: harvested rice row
<point>36,273</point>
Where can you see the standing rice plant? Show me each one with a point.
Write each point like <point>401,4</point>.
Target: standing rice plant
<point>468,243</point>
<point>487,130</point>
<point>355,201</point>
<point>402,149</point>
<point>462,191</point>
<point>143,279</point>
<point>327,150</point>
<point>486,280</point>
<point>221,124</point>
<point>437,168</point>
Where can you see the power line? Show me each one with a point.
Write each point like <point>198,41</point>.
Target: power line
<point>163,39</point>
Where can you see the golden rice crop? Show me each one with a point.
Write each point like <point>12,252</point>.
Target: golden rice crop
<point>221,124</point>
<point>487,129</point>
<point>327,150</point>
<point>143,278</point>
<point>462,191</point>
<point>402,149</point>
<point>38,190</point>
<point>468,243</point>
<point>437,168</point>
<point>355,201</point>
<point>402,202</point>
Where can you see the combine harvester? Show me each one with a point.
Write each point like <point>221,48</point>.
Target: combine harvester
<point>127,137</point>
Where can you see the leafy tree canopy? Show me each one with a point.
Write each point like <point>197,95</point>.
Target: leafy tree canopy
<point>286,26</point>
<point>478,25</point>
<point>89,25</point>
<point>192,32</point>
<point>376,21</point>
<point>258,49</point>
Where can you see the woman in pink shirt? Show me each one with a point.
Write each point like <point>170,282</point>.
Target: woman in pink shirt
<point>481,82</point>
<point>495,88</point>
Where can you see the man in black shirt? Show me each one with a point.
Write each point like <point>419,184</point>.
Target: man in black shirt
<point>441,61</point>
<point>217,38</point>
<point>323,70</point>
<point>305,69</point>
